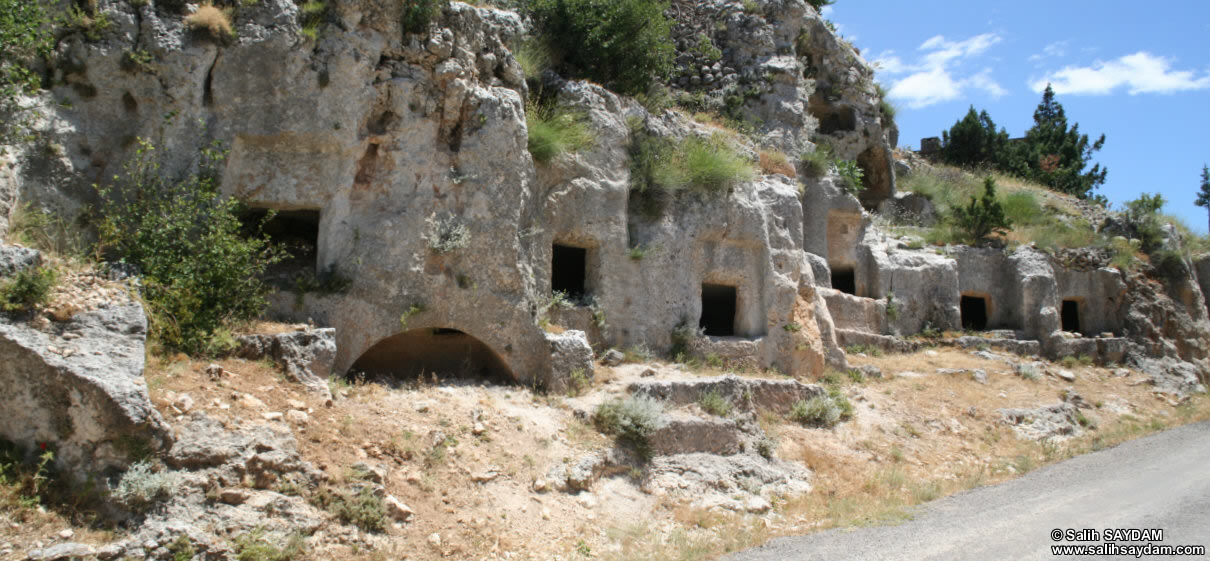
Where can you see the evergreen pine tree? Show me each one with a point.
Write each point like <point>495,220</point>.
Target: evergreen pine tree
<point>974,140</point>
<point>1203,194</point>
<point>1056,155</point>
<point>982,217</point>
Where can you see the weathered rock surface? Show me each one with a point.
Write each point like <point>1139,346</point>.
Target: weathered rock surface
<point>1053,421</point>
<point>570,356</point>
<point>725,481</point>
<point>14,259</point>
<point>78,388</point>
<point>307,356</point>
<point>748,394</point>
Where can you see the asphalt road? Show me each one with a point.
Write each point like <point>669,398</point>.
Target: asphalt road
<point>1158,482</point>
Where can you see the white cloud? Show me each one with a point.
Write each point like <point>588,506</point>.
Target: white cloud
<point>1053,50</point>
<point>933,78</point>
<point>1139,73</point>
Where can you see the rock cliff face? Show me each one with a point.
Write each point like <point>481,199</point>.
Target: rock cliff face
<point>398,141</point>
<point>406,156</point>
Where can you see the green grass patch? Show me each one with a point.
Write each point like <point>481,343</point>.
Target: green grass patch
<point>554,131</point>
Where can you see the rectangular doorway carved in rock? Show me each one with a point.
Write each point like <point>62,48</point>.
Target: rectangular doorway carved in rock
<point>569,271</point>
<point>719,304</point>
<point>845,280</point>
<point>974,313</point>
<point>1070,316</point>
<point>295,230</point>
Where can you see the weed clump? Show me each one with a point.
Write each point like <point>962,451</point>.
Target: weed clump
<point>823,410</point>
<point>142,485</point>
<point>714,403</point>
<point>255,546</point>
<point>210,19</point>
<point>27,290</point>
<point>363,509</point>
<point>632,419</point>
<point>554,131</point>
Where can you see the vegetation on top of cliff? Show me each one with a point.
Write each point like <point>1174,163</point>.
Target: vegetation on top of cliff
<point>982,217</point>
<point>623,44</point>
<point>701,164</point>
<point>555,130</point>
<point>1203,192</point>
<point>200,273</point>
<point>417,14</point>
<point>1051,153</point>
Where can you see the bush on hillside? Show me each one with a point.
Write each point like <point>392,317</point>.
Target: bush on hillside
<point>417,14</point>
<point>27,290</point>
<point>1143,218</point>
<point>199,272</point>
<point>622,44</point>
<point>982,217</point>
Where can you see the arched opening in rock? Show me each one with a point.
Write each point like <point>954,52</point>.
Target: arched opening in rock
<point>569,271</point>
<point>844,279</point>
<point>427,352</point>
<point>1070,316</point>
<point>297,231</point>
<point>974,313</point>
<point>718,310</point>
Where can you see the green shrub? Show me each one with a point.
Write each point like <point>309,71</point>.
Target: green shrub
<point>27,290</point>
<point>622,44</point>
<point>363,509</point>
<point>714,403</point>
<point>554,131</point>
<point>417,14</point>
<point>1142,216</point>
<point>1169,265</point>
<point>632,419</point>
<point>816,163</point>
<point>254,546</point>
<point>821,411</point>
<point>199,271</point>
<point>982,217</point>
<point>851,175</point>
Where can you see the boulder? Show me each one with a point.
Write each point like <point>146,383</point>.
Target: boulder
<point>14,259</point>
<point>88,401</point>
<point>306,356</point>
<point>570,355</point>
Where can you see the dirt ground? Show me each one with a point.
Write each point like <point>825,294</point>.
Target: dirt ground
<point>464,456</point>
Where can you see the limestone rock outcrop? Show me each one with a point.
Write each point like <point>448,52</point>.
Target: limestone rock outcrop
<point>77,388</point>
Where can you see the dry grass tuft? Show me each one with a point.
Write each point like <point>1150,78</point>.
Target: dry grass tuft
<point>773,162</point>
<point>213,20</point>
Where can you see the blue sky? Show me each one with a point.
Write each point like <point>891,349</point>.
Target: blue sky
<point>1139,72</point>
